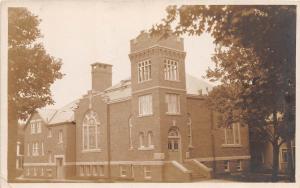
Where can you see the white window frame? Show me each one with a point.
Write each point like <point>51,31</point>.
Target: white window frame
<point>235,133</point>
<point>35,149</point>
<point>32,127</point>
<point>81,170</point>
<point>141,140</point>
<point>145,105</point>
<point>87,170</point>
<point>147,172</point>
<point>123,172</point>
<point>144,71</point>
<point>171,70</point>
<point>28,150</point>
<point>91,116</point>
<point>42,171</point>
<point>38,127</point>
<point>50,157</point>
<point>18,148</point>
<point>34,172</point>
<point>49,172</point>
<point>94,170</point>
<point>226,166</point>
<point>173,103</point>
<point>60,136</point>
<point>150,139</point>
<point>239,165</point>
<point>42,147</point>
<point>100,170</point>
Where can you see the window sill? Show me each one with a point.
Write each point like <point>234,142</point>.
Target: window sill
<point>173,114</point>
<point>91,150</point>
<point>231,145</point>
<point>146,115</point>
<point>172,80</point>
<point>146,148</point>
<point>140,82</point>
<point>148,178</point>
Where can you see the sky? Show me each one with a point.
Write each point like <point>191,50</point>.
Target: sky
<point>84,32</point>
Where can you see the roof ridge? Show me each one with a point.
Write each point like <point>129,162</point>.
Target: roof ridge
<point>52,116</point>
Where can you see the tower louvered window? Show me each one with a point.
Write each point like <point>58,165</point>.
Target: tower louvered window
<point>171,70</point>
<point>144,71</point>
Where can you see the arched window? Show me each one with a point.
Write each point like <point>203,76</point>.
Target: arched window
<point>173,140</point>
<point>91,131</point>
<point>141,138</point>
<point>190,135</point>
<point>130,132</point>
<point>150,139</point>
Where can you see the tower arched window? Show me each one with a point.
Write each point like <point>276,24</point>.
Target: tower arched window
<point>91,131</point>
<point>150,139</point>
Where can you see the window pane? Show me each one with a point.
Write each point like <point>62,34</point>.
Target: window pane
<point>92,137</point>
<point>229,136</point>
<point>85,137</point>
<point>236,133</point>
<point>145,105</point>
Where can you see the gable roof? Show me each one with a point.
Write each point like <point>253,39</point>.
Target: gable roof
<point>62,115</point>
<point>121,90</point>
<point>46,114</point>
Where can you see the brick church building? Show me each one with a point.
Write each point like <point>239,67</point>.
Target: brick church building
<point>154,126</point>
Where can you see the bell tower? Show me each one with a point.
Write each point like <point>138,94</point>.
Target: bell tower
<point>158,90</point>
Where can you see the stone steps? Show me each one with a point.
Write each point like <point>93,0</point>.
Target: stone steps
<point>196,172</point>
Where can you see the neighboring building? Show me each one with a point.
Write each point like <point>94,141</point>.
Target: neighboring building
<point>20,150</point>
<point>155,126</point>
<point>49,143</point>
<point>262,157</point>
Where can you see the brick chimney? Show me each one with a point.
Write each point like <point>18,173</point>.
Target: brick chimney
<point>101,76</point>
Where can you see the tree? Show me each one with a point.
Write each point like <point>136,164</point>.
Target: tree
<point>31,71</point>
<point>255,61</point>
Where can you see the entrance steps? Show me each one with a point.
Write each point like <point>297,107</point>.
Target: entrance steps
<point>198,170</point>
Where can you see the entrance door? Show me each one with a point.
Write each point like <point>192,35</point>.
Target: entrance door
<point>59,168</point>
<point>174,145</point>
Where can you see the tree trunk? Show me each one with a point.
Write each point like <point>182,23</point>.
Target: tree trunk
<point>275,162</point>
<point>12,131</point>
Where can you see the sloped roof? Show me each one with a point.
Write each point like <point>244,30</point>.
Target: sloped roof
<point>46,114</point>
<point>123,88</point>
<point>64,114</point>
<point>194,85</point>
